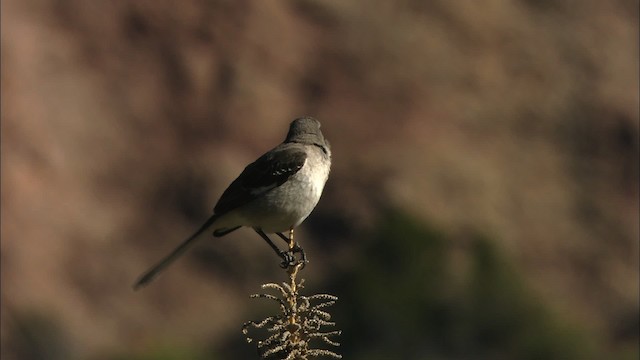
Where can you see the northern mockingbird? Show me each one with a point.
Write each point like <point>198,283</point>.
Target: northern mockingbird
<point>273,194</point>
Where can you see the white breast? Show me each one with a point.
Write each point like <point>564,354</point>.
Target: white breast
<point>290,203</point>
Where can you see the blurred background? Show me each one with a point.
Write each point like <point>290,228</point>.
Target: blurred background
<point>483,202</point>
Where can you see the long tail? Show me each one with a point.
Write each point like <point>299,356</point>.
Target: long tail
<point>150,274</point>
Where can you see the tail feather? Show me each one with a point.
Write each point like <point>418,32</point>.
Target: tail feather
<point>151,274</point>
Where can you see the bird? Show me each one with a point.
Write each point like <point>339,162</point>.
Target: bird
<point>273,194</point>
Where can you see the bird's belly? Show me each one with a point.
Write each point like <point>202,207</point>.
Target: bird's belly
<point>287,205</point>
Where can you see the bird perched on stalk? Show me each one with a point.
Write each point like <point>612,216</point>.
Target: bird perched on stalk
<point>274,194</point>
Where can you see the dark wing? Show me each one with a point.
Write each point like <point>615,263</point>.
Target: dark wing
<point>269,171</point>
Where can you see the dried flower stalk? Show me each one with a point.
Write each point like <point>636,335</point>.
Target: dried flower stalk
<point>301,321</point>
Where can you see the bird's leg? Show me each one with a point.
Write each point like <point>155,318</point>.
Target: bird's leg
<point>294,247</point>
<point>287,258</point>
<point>281,235</point>
<point>303,255</point>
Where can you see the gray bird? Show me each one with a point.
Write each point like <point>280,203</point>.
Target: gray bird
<point>273,194</point>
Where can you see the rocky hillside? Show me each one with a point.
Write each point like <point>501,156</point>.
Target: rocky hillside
<point>122,123</point>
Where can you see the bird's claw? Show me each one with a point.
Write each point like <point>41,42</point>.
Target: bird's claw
<point>303,256</point>
<point>289,258</point>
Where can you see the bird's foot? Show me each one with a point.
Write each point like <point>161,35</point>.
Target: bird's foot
<point>289,257</point>
<point>303,256</point>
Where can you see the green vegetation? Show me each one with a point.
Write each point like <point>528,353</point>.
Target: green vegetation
<point>408,297</point>
<point>412,292</point>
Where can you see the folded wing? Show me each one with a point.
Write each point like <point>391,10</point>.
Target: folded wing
<point>268,172</point>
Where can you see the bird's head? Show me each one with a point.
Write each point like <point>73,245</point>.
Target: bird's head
<point>306,130</point>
